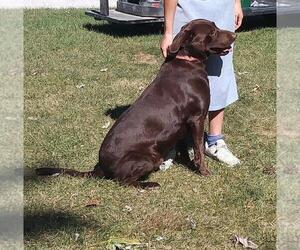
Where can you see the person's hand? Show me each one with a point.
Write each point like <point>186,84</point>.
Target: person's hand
<point>166,41</point>
<point>238,14</point>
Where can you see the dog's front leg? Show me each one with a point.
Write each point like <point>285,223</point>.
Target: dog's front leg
<point>197,126</point>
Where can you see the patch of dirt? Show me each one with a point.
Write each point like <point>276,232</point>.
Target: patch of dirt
<point>136,84</point>
<point>166,219</point>
<point>270,170</point>
<point>144,58</point>
<point>268,132</point>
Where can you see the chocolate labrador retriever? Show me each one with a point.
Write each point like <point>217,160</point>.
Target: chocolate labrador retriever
<point>175,103</point>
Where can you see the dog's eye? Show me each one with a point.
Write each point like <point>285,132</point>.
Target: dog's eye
<point>213,33</point>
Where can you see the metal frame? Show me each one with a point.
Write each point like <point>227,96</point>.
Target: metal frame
<point>115,16</point>
<point>146,8</point>
<point>122,18</point>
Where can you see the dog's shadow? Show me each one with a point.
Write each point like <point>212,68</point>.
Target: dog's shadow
<point>115,113</point>
<point>39,223</point>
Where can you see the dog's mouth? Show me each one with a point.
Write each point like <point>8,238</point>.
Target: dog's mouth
<point>221,51</point>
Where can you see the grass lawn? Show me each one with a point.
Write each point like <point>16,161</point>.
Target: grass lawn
<point>79,75</point>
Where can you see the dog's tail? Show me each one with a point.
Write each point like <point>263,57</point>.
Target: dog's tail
<point>66,171</point>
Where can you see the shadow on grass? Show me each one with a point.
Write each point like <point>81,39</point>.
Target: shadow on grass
<point>125,30</point>
<point>52,222</point>
<point>11,224</point>
<point>117,30</point>
<point>116,112</point>
<point>10,175</point>
<point>257,22</point>
<point>29,172</point>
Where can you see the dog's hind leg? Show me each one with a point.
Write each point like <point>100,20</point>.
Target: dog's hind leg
<point>132,168</point>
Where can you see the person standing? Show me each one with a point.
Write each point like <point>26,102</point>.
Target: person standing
<point>228,15</point>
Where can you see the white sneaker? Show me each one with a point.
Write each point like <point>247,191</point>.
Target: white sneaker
<point>220,152</point>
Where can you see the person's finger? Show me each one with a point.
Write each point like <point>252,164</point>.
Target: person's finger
<point>238,21</point>
<point>164,51</point>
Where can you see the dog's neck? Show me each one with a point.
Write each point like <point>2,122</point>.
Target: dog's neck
<point>184,55</point>
<point>188,58</point>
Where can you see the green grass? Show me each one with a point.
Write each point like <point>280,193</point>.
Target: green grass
<point>63,126</point>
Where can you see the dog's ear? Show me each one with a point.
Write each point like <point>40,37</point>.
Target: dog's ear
<point>179,40</point>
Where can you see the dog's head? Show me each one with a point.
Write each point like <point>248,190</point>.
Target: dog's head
<point>200,37</point>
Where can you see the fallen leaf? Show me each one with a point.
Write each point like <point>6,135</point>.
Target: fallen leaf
<point>80,86</point>
<point>243,73</point>
<point>159,238</point>
<point>76,236</point>
<point>192,223</point>
<point>32,118</point>
<point>126,244</point>
<point>127,208</point>
<point>244,242</point>
<point>106,125</point>
<point>256,88</point>
<point>92,203</point>
<point>103,70</point>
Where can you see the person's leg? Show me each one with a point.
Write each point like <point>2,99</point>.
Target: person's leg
<point>215,122</point>
<point>214,143</point>
<point>216,119</point>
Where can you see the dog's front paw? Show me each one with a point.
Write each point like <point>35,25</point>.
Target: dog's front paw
<point>205,172</point>
<point>202,170</point>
